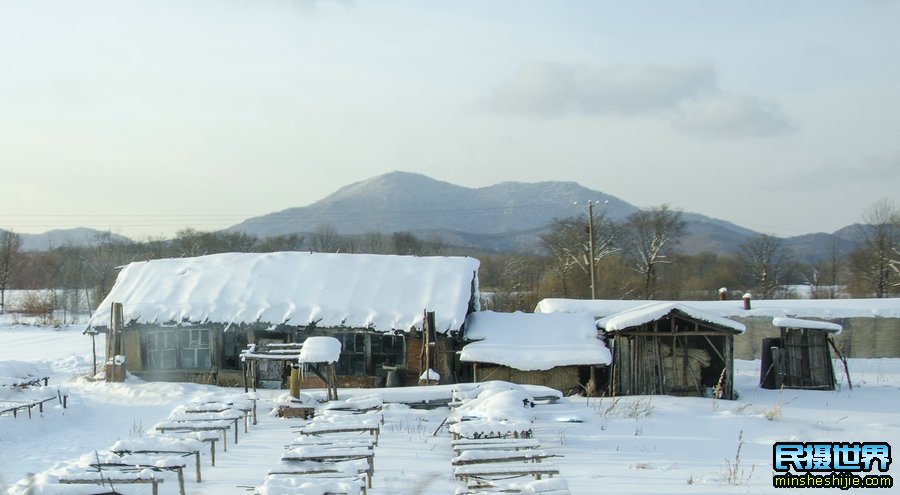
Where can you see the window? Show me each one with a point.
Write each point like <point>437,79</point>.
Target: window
<point>353,354</point>
<point>387,350</point>
<point>233,343</point>
<point>161,351</point>
<point>195,352</point>
<point>366,353</point>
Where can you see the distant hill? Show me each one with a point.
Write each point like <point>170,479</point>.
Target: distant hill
<point>501,217</point>
<point>509,216</point>
<point>64,237</point>
<point>406,202</point>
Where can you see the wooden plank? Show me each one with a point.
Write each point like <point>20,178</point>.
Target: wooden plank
<point>480,470</point>
<point>106,480</point>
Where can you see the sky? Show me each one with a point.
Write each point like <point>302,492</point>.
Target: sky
<point>146,117</point>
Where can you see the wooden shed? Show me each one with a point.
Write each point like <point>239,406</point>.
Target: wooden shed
<point>673,349</point>
<point>800,357</point>
<point>190,319</point>
<point>559,350</point>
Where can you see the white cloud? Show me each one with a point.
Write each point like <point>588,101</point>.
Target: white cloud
<point>547,89</point>
<point>882,169</point>
<point>687,96</point>
<point>728,115</point>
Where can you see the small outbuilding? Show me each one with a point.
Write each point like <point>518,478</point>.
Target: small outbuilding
<point>557,350</point>
<point>672,349</point>
<point>800,357</point>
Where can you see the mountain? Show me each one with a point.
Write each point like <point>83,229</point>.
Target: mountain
<point>504,216</point>
<point>401,201</point>
<point>65,237</point>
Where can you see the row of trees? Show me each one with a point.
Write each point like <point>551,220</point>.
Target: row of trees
<point>634,259</point>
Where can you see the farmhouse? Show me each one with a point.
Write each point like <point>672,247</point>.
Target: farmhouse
<point>190,319</point>
<point>669,348</point>
<point>870,326</point>
<point>558,350</point>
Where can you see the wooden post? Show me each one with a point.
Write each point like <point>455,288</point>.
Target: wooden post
<point>180,481</point>
<point>197,464</point>
<point>295,381</point>
<point>115,325</point>
<point>430,338</point>
<point>94,352</point>
<point>244,369</point>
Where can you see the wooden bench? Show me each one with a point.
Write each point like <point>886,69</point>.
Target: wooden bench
<point>333,442</point>
<point>325,486</point>
<point>27,382</point>
<point>356,468</point>
<point>182,453</point>
<point>322,455</point>
<point>25,406</point>
<point>202,435</point>
<point>479,471</point>
<point>555,486</point>
<point>330,428</point>
<point>209,418</point>
<point>178,469</point>
<point>112,479</point>
<point>248,409</point>
<point>489,456</point>
<point>495,444</point>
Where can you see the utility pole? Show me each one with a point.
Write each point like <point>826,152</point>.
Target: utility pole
<point>590,232</point>
<point>591,248</point>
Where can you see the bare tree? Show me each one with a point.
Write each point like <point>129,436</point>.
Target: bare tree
<point>874,261</point>
<point>765,262</point>
<point>405,243</point>
<point>326,239</point>
<point>652,233</point>
<point>287,242</point>
<point>569,246</point>
<point>10,243</point>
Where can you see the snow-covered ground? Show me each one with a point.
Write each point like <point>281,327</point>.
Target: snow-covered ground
<point>623,445</point>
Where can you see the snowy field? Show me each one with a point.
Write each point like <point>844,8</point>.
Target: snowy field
<point>627,445</point>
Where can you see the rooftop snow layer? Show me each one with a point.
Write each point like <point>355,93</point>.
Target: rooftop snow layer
<point>782,322</point>
<point>533,341</point>
<point>655,310</point>
<point>380,292</point>
<point>825,309</point>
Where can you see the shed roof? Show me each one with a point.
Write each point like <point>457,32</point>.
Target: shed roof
<point>653,311</point>
<point>825,309</point>
<point>832,328</point>
<point>533,341</point>
<point>381,292</point>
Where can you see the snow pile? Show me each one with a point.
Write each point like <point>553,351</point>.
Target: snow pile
<point>361,403</point>
<point>320,350</point>
<point>533,341</point>
<point>381,292</point>
<point>494,409</point>
<point>307,486</point>
<point>430,375</point>
<point>13,373</point>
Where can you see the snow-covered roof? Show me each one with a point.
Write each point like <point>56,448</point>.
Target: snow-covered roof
<point>380,292</point>
<point>782,322</point>
<point>533,341</point>
<point>653,311</point>
<point>825,309</point>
